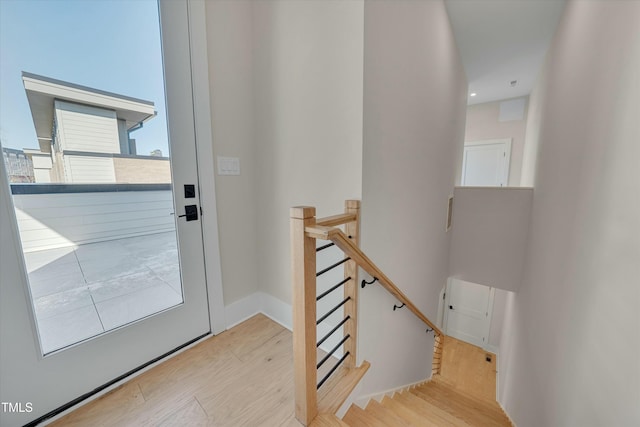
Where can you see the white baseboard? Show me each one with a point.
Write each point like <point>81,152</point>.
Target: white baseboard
<point>492,349</point>
<point>239,311</point>
<point>259,302</point>
<point>276,309</point>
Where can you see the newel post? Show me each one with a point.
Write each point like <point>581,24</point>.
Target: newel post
<point>303,275</point>
<point>352,229</point>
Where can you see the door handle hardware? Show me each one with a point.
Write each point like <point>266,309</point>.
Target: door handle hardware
<point>190,213</point>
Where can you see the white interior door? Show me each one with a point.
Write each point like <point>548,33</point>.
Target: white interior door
<point>48,382</point>
<point>486,163</point>
<point>467,311</point>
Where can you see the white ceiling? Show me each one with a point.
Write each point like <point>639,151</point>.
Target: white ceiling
<point>501,41</point>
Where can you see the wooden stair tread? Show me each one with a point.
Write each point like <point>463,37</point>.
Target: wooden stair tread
<point>387,416</point>
<point>430,411</point>
<point>327,420</point>
<point>408,413</point>
<point>461,407</point>
<point>440,380</point>
<point>458,395</point>
<point>454,408</point>
<point>338,387</point>
<point>357,417</point>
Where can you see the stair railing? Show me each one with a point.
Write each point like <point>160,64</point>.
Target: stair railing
<point>305,230</point>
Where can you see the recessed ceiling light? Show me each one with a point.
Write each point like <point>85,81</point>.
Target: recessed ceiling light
<point>472,94</point>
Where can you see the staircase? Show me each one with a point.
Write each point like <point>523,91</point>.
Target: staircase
<point>434,403</point>
<point>452,397</point>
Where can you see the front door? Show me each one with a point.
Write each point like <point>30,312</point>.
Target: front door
<point>102,240</point>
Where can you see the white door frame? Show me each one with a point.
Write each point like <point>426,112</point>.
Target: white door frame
<point>20,355</point>
<point>205,159</point>
<point>507,162</point>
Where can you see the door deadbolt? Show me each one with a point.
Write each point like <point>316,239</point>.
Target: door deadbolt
<point>189,191</point>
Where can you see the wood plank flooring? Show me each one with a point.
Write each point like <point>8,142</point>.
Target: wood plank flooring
<point>244,377</point>
<point>241,377</point>
<point>465,367</point>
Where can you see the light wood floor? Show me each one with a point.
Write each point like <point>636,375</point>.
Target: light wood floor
<point>465,367</point>
<point>242,377</point>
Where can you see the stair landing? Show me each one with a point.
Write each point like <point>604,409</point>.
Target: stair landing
<point>469,369</point>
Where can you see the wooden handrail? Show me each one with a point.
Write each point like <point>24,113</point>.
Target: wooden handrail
<point>351,250</point>
<point>334,220</point>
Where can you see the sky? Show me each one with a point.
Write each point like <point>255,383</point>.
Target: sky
<point>111,45</point>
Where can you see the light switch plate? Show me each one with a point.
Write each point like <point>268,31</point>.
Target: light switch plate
<point>228,165</point>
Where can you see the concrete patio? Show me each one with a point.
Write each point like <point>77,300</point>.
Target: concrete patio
<point>83,291</point>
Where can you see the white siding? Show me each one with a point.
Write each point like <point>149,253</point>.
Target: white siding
<point>84,169</point>
<point>50,221</point>
<point>42,162</point>
<point>85,128</point>
<point>42,175</point>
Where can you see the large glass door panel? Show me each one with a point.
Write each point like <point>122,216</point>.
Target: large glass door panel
<point>91,174</point>
<point>100,182</point>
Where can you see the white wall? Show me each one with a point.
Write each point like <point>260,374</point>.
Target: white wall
<point>308,120</point>
<point>573,341</point>
<point>532,133</point>
<point>230,55</point>
<point>489,235</point>
<point>497,318</point>
<point>484,122</point>
<point>286,94</point>
<point>414,112</point>
<point>507,344</point>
